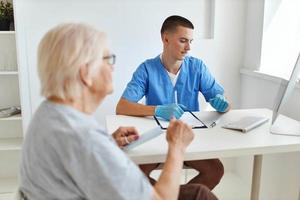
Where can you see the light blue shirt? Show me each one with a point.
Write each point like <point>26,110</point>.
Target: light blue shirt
<point>68,155</point>
<point>152,81</point>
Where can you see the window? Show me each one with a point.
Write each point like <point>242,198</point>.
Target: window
<point>281,37</point>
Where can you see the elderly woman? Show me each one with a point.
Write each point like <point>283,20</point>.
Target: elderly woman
<point>66,153</point>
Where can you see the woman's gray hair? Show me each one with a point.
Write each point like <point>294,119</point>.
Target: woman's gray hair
<point>62,52</point>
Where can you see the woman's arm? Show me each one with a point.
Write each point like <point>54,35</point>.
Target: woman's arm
<point>179,136</point>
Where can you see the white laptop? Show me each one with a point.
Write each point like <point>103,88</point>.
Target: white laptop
<point>246,124</point>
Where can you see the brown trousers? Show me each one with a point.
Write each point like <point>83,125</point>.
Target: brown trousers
<point>195,192</point>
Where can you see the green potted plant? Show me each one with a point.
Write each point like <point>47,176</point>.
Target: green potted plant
<point>6,15</point>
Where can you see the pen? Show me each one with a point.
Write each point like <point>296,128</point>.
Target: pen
<point>175,97</point>
<point>213,124</point>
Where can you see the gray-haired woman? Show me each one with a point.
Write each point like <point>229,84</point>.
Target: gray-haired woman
<point>66,153</point>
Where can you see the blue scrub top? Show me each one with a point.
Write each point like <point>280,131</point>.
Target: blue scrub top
<point>152,81</point>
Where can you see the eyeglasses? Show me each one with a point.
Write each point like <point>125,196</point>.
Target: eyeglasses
<point>111,59</point>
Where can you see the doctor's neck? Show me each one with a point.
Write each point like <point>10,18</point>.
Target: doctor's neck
<point>170,63</point>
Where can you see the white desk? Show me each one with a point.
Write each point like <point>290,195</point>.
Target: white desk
<point>214,142</point>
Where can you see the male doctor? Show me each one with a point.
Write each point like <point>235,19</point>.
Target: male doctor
<point>171,83</point>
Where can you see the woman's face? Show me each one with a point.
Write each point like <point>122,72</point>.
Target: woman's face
<point>102,83</point>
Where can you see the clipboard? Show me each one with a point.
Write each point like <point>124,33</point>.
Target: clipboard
<point>188,117</point>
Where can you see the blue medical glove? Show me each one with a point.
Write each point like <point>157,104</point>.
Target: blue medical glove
<point>219,103</point>
<point>168,111</point>
<point>183,107</point>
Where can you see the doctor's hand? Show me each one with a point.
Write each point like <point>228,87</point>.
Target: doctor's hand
<point>168,111</point>
<point>219,103</point>
<point>125,135</point>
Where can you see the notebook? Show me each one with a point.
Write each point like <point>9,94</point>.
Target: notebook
<point>152,133</point>
<point>246,123</point>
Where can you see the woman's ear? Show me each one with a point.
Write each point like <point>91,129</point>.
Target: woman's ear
<point>84,76</point>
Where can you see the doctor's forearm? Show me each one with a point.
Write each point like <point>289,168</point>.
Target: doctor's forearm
<point>126,107</point>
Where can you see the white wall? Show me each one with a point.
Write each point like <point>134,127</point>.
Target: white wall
<point>260,91</point>
<point>133,28</point>
<point>253,34</point>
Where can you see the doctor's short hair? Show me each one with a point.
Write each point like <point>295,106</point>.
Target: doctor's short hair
<point>62,52</point>
<point>172,22</point>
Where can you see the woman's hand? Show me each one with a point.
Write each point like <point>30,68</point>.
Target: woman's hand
<point>179,134</point>
<point>125,135</point>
